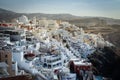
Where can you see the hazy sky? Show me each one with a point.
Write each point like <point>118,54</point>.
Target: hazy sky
<point>105,8</point>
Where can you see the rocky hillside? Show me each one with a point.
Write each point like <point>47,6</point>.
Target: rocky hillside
<point>106,62</point>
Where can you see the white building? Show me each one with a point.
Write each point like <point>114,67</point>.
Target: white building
<point>23,19</point>
<point>52,61</point>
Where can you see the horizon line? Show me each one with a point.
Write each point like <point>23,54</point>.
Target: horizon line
<point>59,13</point>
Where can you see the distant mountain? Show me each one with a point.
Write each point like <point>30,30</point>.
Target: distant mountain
<point>53,16</point>
<point>6,15</point>
<point>111,21</point>
<point>6,11</point>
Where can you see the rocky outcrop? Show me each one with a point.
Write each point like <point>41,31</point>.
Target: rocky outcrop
<point>106,62</point>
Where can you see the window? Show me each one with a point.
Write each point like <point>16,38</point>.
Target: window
<point>49,61</point>
<point>64,61</point>
<point>22,37</point>
<point>54,65</point>
<point>53,36</point>
<point>6,61</point>
<point>49,66</point>
<point>64,41</point>
<point>35,46</point>
<point>0,56</point>
<point>44,65</point>
<point>44,60</point>
<point>5,56</point>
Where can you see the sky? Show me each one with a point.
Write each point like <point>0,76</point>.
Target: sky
<point>97,8</point>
